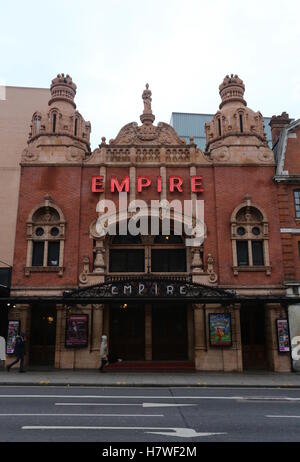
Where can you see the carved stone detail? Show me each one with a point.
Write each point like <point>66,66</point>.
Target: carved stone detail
<point>162,134</point>
<point>210,269</point>
<point>29,156</point>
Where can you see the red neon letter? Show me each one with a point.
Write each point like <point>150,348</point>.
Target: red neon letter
<point>97,184</point>
<point>159,184</point>
<point>143,182</point>
<point>196,184</point>
<point>114,183</point>
<point>176,182</point>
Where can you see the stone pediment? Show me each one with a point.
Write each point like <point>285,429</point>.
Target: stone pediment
<point>133,134</point>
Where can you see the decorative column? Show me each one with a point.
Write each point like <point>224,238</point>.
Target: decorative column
<point>232,356</point>
<point>278,362</point>
<point>148,332</point>
<point>200,340</point>
<point>97,327</point>
<point>60,333</point>
<point>190,330</point>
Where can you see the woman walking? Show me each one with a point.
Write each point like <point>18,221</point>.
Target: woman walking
<point>103,353</point>
<point>19,352</point>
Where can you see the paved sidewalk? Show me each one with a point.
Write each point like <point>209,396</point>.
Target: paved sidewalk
<point>151,379</point>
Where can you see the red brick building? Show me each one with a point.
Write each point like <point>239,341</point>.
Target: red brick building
<point>286,146</point>
<point>212,306</point>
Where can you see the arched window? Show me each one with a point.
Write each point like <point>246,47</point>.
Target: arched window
<point>54,119</point>
<point>147,254</point>
<point>46,234</point>
<point>241,122</point>
<point>36,122</point>
<point>76,127</point>
<point>249,233</point>
<point>219,127</point>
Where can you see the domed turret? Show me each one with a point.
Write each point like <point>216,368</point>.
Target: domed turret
<point>235,129</point>
<point>232,89</point>
<point>63,89</point>
<point>234,121</point>
<point>62,126</point>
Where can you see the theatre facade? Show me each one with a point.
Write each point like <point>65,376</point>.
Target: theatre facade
<point>208,300</point>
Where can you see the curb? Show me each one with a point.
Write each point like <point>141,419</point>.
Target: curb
<point>143,385</point>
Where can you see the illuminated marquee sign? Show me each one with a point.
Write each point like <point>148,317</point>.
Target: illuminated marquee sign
<point>175,183</point>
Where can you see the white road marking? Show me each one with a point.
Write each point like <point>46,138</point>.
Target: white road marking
<point>285,416</point>
<point>179,432</point>
<point>82,415</point>
<point>166,405</point>
<point>96,404</point>
<point>233,398</point>
<point>122,404</point>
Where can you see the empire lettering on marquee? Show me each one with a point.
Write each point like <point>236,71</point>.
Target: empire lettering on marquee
<point>175,183</point>
<point>142,289</point>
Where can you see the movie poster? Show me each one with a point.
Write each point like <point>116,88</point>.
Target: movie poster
<point>77,330</point>
<point>13,331</point>
<point>283,335</point>
<point>220,329</point>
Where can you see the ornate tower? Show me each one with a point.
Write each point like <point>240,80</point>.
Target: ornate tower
<point>235,129</point>
<point>61,134</point>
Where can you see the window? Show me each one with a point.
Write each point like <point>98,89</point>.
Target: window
<point>257,253</point>
<point>45,230</point>
<point>242,253</point>
<point>249,233</point>
<point>168,260</point>
<point>53,253</point>
<point>241,123</point>
<point>54,123</point>
<point>38,253</point>
<point>37,123</point>
<point>76,127</point>
<point>297,203</point>
<point>219,127</point>
<point>127,260</point>
<point>146,254</point>
<point>165,239</point>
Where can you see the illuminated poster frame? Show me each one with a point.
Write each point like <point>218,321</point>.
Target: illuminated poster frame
<point>77,328</point>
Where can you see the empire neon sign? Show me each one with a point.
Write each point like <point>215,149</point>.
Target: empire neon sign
<point>174,183</point>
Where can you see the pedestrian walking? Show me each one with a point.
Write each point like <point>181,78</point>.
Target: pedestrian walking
<point>2,352</point>
<point>103,353</point>
<point>19,352</point>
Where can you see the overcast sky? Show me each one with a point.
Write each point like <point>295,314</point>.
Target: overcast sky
<point>183,48</point>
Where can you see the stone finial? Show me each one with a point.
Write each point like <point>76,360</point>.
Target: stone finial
<point>232,89</point>
<point>147,117</point>
<point>63,89</point>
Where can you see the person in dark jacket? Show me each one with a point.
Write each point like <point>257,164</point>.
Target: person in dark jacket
<point>19,352</point>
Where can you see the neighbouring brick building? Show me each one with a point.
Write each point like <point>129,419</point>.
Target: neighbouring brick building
<point>211,306</point>
<point>286,146</point>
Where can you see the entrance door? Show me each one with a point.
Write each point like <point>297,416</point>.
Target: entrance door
<point>169,332</point>
<point>253,337</point>
<point>43,336</point>
<point>127,332</point>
